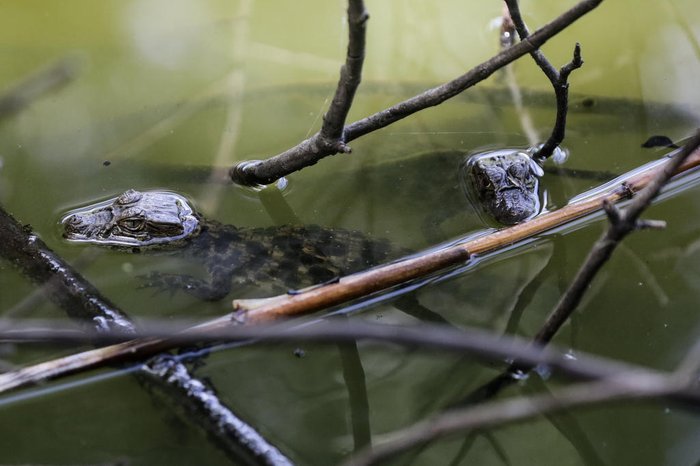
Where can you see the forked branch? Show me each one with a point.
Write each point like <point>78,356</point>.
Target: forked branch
<point>331,138</point>
<point>311,150</point>
<point>559,80</point>
<point>625,386</point>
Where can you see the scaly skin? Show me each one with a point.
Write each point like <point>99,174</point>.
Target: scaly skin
<point>269,259</point>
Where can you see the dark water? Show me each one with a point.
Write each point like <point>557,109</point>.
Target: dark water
<point>162,95</point>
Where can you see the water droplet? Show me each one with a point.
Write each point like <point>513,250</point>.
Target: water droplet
<point>282,183</point>
<point>570,355</point>
<point>519,375</point>
<point>128,267</point>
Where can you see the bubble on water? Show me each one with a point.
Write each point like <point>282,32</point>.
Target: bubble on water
<point>544,371</point>
<point>559,155</point>
<point>128,267</point>
<point>282,183</point>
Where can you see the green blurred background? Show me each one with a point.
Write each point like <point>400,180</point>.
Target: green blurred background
<point>165,89</point>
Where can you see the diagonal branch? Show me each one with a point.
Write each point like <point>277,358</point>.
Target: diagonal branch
<point>622,223</point>
<point>84,303</point>
<point>311,150</point>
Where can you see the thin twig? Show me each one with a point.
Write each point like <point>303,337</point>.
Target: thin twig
<point>599,254</point>
<point>331,138</point>
<point>482,344</point>
<point>309,152</point>
<point>622,223</point>
<point>627,386</point>
<point>559,80</point>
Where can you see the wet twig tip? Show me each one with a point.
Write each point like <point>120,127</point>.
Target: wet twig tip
<point>575,63</point>
<point>612,212</point>
<point>650,225</point>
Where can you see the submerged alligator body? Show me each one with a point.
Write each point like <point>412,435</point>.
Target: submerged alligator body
<point>269,259</point>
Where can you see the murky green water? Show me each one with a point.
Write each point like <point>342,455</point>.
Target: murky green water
<point>167,88</point>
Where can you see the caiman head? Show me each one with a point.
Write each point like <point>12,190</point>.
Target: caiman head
<point>503,185</point>
<point>133,219</point>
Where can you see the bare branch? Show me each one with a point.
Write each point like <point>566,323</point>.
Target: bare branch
<point>483,345</point>
<point>331,138</point>
<point>561,92</point>
<point>312,150</point>
<point>384,277</point>
<point>559,80</point>
<point>84,303</point>
<point>627,386</point>
<point>621,224</point>
<point>350,76</point>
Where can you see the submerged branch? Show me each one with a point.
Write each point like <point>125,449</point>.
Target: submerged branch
<point>309,151</point>
<point>482,344</point>
<point>479,343</point>
<point>84,303</point>
<point>398,273</point>
<point>383,277</point>
<point>625,387</point>
<point>38,84</point>
<point>61,283</point>
<point>622,223</point>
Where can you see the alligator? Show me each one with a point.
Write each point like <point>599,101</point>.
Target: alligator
<point>268,258</point>
<point>502,185</point>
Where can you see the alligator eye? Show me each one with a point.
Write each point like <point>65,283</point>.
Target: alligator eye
<point>133,224</point>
